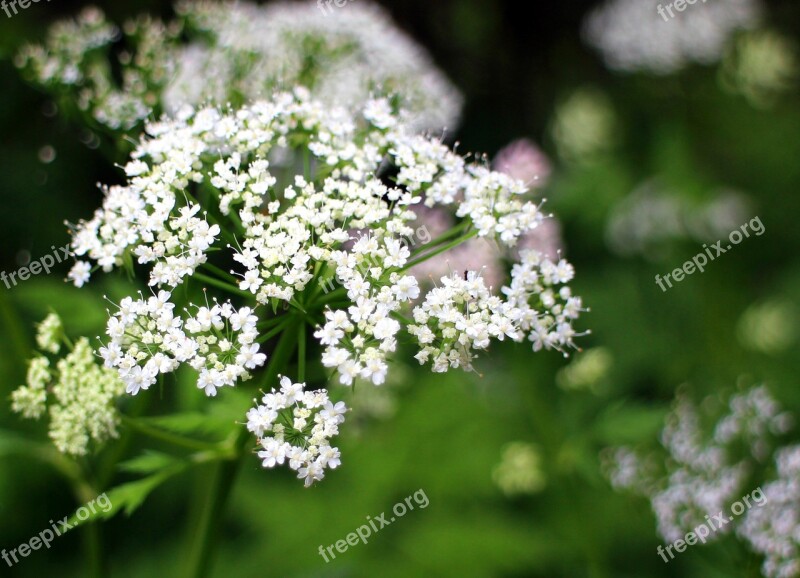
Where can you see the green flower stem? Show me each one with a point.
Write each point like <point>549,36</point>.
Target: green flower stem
<point>93,546</point>
<point>217,271</point>
<point>281,326</point>
<point>402,318</point>
<point>222,285</point>
<point>165,436</point>
<point>301,353</point>
<point>208,188</point>
<point>440,250</point>
<point>96,563</point>
<point>332,296</point>
<point>270,323</point>
<point>319,270</point>
<point>115,452</point>
<point>213,506</point>
<point>455,231</point>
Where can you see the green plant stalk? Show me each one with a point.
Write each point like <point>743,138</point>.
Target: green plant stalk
<point>97,566</point>
<point>202,547</point>
<point>440,250</point>
<point>96,562</point>
<point>165,436</point>
<point>276,330</point>
<point>301,353</point>
<point>455,231</point>
<point>222,285</point>
<point>220,272</point>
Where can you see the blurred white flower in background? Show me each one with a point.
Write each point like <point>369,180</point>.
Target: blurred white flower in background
<point>633,36</point>
<point>584,126</point>
<point>342,58</point>
<point>586,371</point>
<point>769,327</point>
<point>708,461</point>
<point>236,53</point>
<point>773,530</point>
<point>520,470</point>
<point>654,215</point>
<point>761,66</point>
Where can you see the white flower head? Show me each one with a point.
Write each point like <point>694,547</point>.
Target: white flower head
<point>294,425</point>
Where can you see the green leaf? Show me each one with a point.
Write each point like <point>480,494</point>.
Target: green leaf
<point>149,462</point>
<point>192,424</point>
<point>130,496</point>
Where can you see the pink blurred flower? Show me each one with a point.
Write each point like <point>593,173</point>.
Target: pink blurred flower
<point>525,161</point>
<point>546,238</point>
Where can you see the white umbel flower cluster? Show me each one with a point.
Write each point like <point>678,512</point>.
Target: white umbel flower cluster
<point>343,59</point>
<point>75,63</point>
<point>706,469</point>
<point>455,318</point>
<point>148,340</point>
<point>236,53</point>
<point>462,314</point>
<point>78,394</point>
<point>340,220</point>
<point>176,241</point>
<point>295,426</point>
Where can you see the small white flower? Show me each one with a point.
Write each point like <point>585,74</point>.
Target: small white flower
<point>80,273</point>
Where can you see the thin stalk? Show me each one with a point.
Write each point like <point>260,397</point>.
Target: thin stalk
<point>301,353</point>
<point>332,296</point>
<point>97,566</point>
<point>319,270</point>
<point>221,285</point>
<point>167,437</point>
<point>269,323</point>
<point>96,563</point>
<point>439,251</point>
<point>203,545</point>
<point>455,231</point>
<point>220,272</point>
<point>281,326</point>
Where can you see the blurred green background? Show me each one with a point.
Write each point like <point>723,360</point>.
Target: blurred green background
<point>519,65</point>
